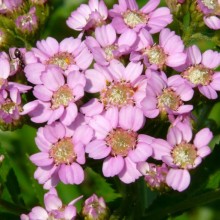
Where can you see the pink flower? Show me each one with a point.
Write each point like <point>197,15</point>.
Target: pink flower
<point>27,23</point>
<point>169,51</point>
<point>117,140</point>
<point>69,55</point>
<point>62,153</point>
<point>180,154</point>
<point>95,208</point>
<point>54,209</point>
<point>117,85</point>
<point>166,96</point>
<point>7,6</point>
<point>154,175</point>
<point>106,46</point>
<point>56,97</point>
<point>11,103</point>
<point>127,15</point>
<point>210,9</point>
<point>88,16</point>
<point>199,71</point>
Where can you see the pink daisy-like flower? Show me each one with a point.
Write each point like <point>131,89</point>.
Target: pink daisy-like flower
<point>199,71</point>
<point>180,154</point>
<point>117,85</point>
<point>154,175</point>
<point>169,51</point>
<point>62,153</point>
<point>166,96</point>
<point>127,15</point>
<point>117,140</point>
<point>69,55</point>
<point>54,209</point>
<point>56,97</point>
<point>106,46</point>
<point>211,11</point>
<point>88,16</point>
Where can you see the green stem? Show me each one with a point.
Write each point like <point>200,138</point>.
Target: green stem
<point>184,205</point>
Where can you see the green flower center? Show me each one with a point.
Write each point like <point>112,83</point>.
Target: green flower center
<point>184,155</point>
<point>63,152</point>
<point>121,141</point>
<point>109,52</point>
<point>8,107</point>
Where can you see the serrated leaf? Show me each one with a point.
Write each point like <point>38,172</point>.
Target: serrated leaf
<point>214,180</point>
<point>95,183</point>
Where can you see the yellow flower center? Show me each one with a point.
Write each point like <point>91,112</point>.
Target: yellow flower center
<point>134,18</point>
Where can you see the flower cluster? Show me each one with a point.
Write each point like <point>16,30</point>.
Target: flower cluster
<point>96,96</point>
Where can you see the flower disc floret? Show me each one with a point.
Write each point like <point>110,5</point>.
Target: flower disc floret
<point>121,141</point>
<point>62,152</point>
<point>199,75</point>
<point>169,99</point>
<point>134,18</point>
<point>184,155</point>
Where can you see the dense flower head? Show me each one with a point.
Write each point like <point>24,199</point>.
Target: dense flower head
<point>127,15</point>
<point>116,139</point>
<point>88,16</point>
<point>69,55</point>
<point>62,153</point>
<point>54,209</point>
<point>95,208</point>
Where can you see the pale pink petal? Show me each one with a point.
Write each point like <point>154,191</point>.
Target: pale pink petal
<point>160,148</point>
<point>203,137</point>
<point>178,179</point>
<point>133,71</point>
<point>211,59</point>
<point>208,92</point>
<point>194,55</point>
<point>92,107</point>
<point>112,166</point>
<point>69,114</point>
<point>95,81</point>
<point>83,134</point>
<point>38,213</point>
<point>52,202</point>
<point>41,159</point>
<point>111,115</point>
<point>116,69</point>
<point>97,149</point>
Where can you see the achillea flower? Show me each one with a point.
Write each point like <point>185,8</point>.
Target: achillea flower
<point>106,46</point>
<point>199,71</point>
<point>117,85</point>
<point>88,16</point>
<point>166,96</point>
<point>56,97</point>
<point>94,208</point>
<point>180,154</point>
<point>154,175</point>
<point>28,22</point>
<point>169,51</point>
<point>211,11</point>
<point>62,154</point>
<point>54,209</point>
<point>10,103</point>
<point>69,55</point>
<point>7,6</point>
<point>127,15</point>
<point>117,140</point>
